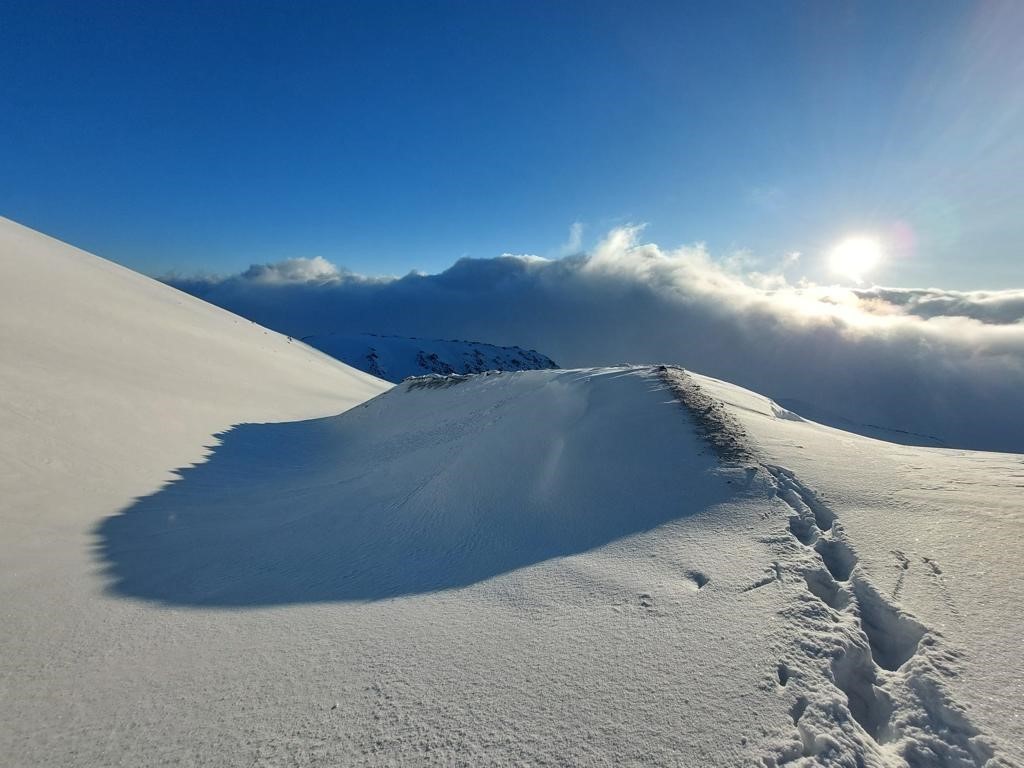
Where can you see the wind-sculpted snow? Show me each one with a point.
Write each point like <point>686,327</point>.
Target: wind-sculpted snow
<point>712,421</point>
<point>442,482</point>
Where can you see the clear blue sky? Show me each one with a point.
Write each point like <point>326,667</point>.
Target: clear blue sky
<point>387,136</point>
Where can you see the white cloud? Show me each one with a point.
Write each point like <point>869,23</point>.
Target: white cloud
<point>317,269</point>
<point>997,307</point>
<point>922,360</point>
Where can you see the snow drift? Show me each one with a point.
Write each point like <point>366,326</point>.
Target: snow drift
<point>445,483</point>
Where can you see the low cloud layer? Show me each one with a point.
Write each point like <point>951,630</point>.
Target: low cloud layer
<point>996,307</point>
<point>928,361</point>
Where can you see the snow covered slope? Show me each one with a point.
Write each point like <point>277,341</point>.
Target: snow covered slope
<point>877,431</point>
<point>109,376</point>
<point>108,381</point>
<point>895,562</point>
<point>542,567</point>
<point>610,566</point>
<point>394,358</point>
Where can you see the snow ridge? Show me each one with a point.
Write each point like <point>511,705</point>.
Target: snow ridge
<point>710,417</point>
<point>864,677</point>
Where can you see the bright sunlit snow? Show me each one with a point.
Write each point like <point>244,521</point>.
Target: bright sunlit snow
<point>223,548</point>
<point>534,384</point>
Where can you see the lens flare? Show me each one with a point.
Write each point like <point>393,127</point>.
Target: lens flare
<point>854,257</point>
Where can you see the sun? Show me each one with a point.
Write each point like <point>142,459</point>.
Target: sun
<point>854,257</point>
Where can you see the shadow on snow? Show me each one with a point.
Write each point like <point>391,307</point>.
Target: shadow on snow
<point>313,511</point>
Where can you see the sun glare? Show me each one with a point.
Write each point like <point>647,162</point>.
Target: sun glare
<point>854,257</point>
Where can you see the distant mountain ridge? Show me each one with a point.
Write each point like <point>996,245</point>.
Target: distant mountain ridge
<point>394,358</point>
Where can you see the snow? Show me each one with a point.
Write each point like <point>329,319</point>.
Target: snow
<point>394,358</point>
<point>931,538</point>
<point>108,381</point>
<point>224,548</point>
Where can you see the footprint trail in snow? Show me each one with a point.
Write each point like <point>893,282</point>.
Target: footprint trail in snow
<point>865,681</point>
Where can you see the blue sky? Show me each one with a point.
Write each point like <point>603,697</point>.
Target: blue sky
<point>389,136</point>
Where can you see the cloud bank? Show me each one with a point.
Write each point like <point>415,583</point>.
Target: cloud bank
<point>996,307</point>
<point>927,361</point>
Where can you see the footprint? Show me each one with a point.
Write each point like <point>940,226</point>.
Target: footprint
<point>838,557</point>
<point>821,584</point>
<point>696,580</point>
<point>884,639</point>
<point>783,674</point>
<point>803,530</point>
<point>893,635</point>
<point>798,709</point>
<point>872,634</point>
<point>823,516</point>
<point>854,674</point>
